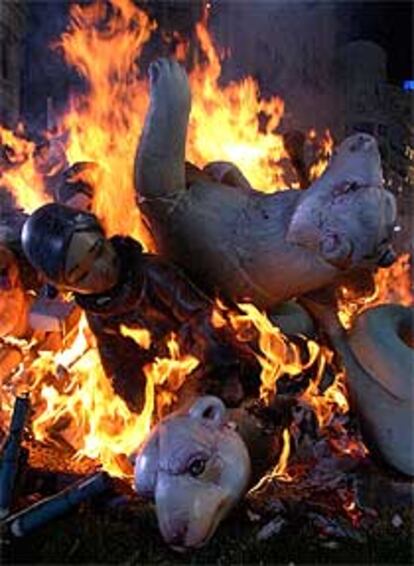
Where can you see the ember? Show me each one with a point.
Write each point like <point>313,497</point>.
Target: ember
<point>295,398</point>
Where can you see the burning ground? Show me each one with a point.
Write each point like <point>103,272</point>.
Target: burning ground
<point>78,424</point>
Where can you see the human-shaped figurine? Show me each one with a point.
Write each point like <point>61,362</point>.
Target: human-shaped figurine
<point>117,284</point>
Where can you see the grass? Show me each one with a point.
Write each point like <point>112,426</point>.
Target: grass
<point>95,534</point>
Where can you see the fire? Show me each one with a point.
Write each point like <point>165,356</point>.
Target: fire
<point>279,472</point>
<point>170,373</point>
<point>105,123</point>
<point>97,423</point>
<point>232,131</point>
<point>331,408</point>
<point>20,176</point>
<point>278,356</point>
<point>102,125</point>
<point>81,343</point>
<point>328,404</point>
<point>324,154</point>
<point>70,391</point>
<point>141,336</point>
<point>391,285</point>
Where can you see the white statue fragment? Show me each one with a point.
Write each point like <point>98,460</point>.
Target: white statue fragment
<point>249,245</point>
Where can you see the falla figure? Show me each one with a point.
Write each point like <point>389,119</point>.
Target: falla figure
<point>116,283</point>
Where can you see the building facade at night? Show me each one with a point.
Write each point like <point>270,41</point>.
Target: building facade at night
<point>371,104</point>
<point>12,27</point>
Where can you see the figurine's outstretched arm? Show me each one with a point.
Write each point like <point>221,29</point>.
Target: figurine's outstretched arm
<point>159,163</point>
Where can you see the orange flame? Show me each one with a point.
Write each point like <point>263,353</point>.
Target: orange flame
<point>278,356</point>
<point>171,373</point>
<point>141,336</point>
<point>328,404</point>
<point>97,423</point>
<point>324,154</point>
<point>391,285</point>
<point>21,178</point>
<point>103,126</point>
<point>232,131</point>
<point>279,472</point>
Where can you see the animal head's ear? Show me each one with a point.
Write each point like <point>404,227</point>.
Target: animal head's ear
<point>336,249</point>
<point>146,466</point>
<point>208,408</point>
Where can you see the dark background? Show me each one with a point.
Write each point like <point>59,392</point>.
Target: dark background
<point>390,24</point>
<point>387,23</point>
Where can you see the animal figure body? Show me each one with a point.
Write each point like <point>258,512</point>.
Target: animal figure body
<point>246,244</point>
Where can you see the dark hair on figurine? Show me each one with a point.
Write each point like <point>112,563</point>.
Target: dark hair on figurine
<point>47,233</point>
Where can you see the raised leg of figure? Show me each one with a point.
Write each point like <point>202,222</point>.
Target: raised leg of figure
<point>159,163</point>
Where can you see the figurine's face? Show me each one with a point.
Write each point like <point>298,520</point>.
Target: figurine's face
<point>12,296</point>
<point>91,264</point>
<point>196,467</point>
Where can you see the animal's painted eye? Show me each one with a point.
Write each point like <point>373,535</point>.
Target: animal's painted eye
<point>349,187</point>
<point>352,187</point>
<point>197,467</point>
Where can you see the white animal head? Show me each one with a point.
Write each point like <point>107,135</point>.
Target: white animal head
<point>196,467</point>
<point>348,216</point>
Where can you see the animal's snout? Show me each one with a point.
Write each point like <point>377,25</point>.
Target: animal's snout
<point>177,538</point>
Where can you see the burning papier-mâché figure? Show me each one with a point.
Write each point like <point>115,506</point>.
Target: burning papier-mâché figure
<point>117,284</point>
<point>249,245</point>
<point>197,463</point>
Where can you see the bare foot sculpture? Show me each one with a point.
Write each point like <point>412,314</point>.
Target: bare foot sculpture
<point>251,245</point>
